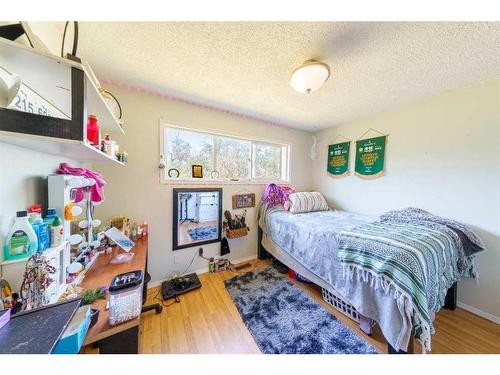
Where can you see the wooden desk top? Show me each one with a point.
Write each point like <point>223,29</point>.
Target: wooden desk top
<point>101,273</point>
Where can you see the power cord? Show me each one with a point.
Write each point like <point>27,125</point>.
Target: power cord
<point>163,302</point>
<point>190,264</point>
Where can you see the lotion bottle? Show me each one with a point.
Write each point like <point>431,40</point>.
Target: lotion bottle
<point>56,232</point>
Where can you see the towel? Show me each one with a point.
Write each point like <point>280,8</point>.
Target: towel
<point>96,191</point>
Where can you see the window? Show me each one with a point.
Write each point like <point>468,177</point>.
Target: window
<point>267,161</point>
<point>233,158</point>
<point>185,148</point>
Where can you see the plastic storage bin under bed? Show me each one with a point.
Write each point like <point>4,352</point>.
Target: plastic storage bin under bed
<point>340,304</point>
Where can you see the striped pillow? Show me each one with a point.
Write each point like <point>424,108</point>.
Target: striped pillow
<point>307,202</point>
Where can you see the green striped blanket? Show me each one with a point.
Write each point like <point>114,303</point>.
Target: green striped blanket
<point>416,262</point>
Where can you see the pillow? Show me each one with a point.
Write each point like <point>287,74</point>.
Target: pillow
<point>307,202</point>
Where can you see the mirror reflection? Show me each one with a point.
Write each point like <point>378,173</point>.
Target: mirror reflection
<point>197,217</point>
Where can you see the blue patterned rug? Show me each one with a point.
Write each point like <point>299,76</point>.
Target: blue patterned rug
<point>283,319</point>
<point>203,233</point>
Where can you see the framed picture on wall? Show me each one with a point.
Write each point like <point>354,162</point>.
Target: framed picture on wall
<point>243,200</point>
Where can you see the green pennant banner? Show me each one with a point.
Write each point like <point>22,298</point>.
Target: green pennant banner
<point>370,157</point>
<point>338,159</point>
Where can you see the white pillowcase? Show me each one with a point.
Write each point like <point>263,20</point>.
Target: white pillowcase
<point>307,202</point>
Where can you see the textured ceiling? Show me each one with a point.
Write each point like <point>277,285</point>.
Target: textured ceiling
<point>245,66</point>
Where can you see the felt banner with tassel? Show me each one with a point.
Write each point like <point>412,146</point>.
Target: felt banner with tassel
<point>370,157</point>
<point>338,159</point>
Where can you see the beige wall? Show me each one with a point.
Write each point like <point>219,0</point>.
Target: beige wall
<point>135,191</point>
<point>23,182</point>
<point>442,156</point>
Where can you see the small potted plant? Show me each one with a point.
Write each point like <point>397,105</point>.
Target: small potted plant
<point>89,296</point>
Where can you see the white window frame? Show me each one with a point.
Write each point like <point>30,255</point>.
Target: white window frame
<point>286,151</point>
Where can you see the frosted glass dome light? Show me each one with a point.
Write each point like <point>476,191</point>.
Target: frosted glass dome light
<point>310,76</point>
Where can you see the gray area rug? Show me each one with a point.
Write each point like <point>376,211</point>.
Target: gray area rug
<point>283,319</point>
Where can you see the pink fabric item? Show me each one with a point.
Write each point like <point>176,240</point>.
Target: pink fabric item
<point>276,194</point>
<point>366,325</point>
<point>96,191</point>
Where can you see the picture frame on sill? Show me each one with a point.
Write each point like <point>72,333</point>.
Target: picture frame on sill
<point>197,171</point>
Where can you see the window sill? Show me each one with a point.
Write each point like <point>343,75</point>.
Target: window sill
<point>207,181</point>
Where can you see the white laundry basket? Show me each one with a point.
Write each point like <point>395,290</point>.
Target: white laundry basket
<point>340,304</point>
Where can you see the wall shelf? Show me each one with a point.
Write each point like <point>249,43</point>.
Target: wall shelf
<point>63,84</point>
<point>67,148</point>
<point>46,251</point>
<point>97,106</point>
<point>26,57</point>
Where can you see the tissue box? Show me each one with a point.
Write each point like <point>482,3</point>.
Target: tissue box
<point>72,339</point>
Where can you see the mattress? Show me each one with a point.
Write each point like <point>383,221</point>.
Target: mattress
<point>311,238</point>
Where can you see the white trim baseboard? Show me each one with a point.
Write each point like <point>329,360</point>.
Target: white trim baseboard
<point>155,284</point>
<point>478,312</point>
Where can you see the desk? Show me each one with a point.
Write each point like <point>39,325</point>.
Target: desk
<point>124,337</point>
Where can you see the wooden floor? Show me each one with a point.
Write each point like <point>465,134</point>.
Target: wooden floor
<point>207,321</point>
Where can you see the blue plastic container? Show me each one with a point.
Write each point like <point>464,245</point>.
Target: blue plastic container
<point>42,233</point>
<point>49,219</point>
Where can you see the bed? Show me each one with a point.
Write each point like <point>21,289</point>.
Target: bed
<point>313,243</point>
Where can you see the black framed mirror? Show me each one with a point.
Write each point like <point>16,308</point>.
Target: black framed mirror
<point>197,217</point>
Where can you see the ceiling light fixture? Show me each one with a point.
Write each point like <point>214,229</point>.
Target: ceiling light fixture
<point>310,76</point>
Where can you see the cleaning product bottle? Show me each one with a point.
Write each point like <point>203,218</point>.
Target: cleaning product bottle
<point>51,215</point>
<point>34,212</point>
<point>42,233</point>
<point>56,232</point>
<point>49,219</point>
<point>21,242</point>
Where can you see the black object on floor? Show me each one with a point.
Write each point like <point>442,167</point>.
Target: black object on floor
<point>391,350</point>
<point>37,331</point>
<point>180,285</point>
<point>450,302</point>
<point>280,267</point>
